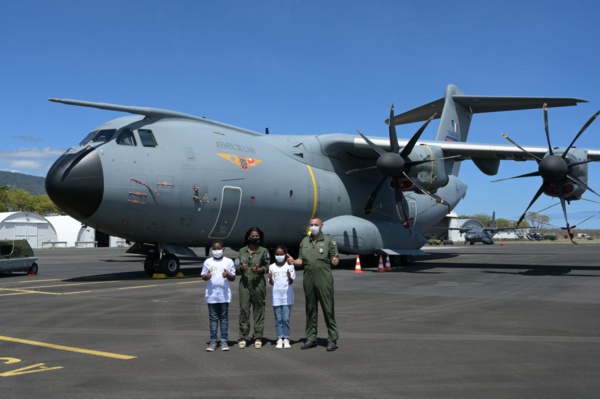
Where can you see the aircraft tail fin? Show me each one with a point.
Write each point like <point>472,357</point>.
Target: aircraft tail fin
<point>455,111</point>
<point>493,224</point>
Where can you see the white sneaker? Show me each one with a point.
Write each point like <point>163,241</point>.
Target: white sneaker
<point>224,346</point>
<point>242,343</point>
<point>286,344</point>
<point>279,344</point>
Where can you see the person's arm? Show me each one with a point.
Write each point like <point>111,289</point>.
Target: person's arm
<point>230,274</point>
<point>298,260</point>
<point>205,274</point>
<point>334,257</point>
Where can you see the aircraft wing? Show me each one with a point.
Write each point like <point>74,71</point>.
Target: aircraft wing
<point>484,151</point>
<point>338,145</point>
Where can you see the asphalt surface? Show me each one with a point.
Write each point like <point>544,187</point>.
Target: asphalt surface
<point>479,321</point>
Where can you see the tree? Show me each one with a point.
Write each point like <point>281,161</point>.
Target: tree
<point>43,205</point>
<point>536,220</point>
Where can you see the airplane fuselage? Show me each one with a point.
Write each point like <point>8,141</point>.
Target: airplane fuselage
<point>191,182</point>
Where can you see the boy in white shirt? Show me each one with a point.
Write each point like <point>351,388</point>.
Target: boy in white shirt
<point>281,276</point>
<point>218,271</point>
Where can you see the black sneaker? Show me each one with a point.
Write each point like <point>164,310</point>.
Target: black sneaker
<point>308,344</point>
<point>331,346</point>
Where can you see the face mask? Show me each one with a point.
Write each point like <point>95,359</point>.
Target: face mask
<point>217,253</point>
<point>314,230</point>
<point>253,241</point>
<point>279,258</point>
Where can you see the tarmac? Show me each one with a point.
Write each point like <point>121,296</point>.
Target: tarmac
<point>501,321</point>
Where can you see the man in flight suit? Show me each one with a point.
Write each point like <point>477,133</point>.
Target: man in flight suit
<point>318,252</point>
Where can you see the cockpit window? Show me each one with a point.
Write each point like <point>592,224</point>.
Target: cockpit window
<point>99,136</point>
<point>126,138</point>
<point>147,138</point>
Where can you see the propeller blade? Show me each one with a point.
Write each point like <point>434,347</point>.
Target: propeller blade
<point>587,124</point>
<point>415,163</point>
<point>369,205</point>
<point>352,171</point>
<point>561,196</point>
<point>518,177</point>
<point>577,181</point>
<point>546,128</point>
<point>586,219</point>
<point>374,146</point>
<point>581,162</point>
<point>399,207</point>
<point>535,197</point>
<point>413,140</point>
<point>437,198</point>
<point>393,136</point>
<point>521,148</point>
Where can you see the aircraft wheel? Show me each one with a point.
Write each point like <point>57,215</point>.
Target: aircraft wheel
<point>33,269</point>
<point>169,265</point>
<point>151,265</point>
<point>405,259</point>
<point>472,243</point>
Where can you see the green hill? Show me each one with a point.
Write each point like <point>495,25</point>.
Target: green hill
<point>34,185</point>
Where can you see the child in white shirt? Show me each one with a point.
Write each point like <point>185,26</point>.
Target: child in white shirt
<point>218,271</point>
<point>281,276</point>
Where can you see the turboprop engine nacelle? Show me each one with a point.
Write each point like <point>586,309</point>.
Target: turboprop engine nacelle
<point>431,175</point>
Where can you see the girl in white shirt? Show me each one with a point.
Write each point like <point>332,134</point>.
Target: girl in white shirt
<point>281,276</point>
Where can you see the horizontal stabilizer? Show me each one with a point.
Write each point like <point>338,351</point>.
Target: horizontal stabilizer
<point>480,104</point>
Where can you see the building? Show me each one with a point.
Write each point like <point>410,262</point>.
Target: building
<point>52,231</point>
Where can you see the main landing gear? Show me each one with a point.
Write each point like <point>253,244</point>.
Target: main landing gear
<point>168,264</point>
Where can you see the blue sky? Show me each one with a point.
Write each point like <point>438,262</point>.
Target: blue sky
<point>303,67</point>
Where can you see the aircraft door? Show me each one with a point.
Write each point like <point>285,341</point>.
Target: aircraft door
<point>231,201</point>
<point>412,211</point>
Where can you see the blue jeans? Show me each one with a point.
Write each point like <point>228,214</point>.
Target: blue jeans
<point>282,320</point>
<point>218,313</point>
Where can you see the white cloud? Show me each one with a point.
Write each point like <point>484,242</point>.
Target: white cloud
<point>31,160</point>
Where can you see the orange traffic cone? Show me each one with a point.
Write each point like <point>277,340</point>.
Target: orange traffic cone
<point>380,266</point>
<point>357,268</point>
<point>388,266</point>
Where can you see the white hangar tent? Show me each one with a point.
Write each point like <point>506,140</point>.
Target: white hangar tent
<point>32,227</point>
<point>71,233</point>
<point>52,231</point>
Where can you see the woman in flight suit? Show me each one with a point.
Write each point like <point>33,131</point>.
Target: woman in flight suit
<point>253,265</point>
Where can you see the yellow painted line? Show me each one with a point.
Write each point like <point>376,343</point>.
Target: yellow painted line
<point>15,293</point>
<point>192,282</point>
<point>68,285</point>
<point>75,292</point>
<point>315,191</point>
<point>25,291</point>
<point>39,281</point>
<point>135,288</point>
<point>68,348</point>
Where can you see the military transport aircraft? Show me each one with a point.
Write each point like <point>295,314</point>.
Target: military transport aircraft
<point>168,181</point>
<point>482,234</point>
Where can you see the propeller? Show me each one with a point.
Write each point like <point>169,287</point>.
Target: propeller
<point>394,165</point>
<point>555,169</point>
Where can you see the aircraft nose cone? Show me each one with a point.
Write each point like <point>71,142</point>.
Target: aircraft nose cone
<point>75,183</point>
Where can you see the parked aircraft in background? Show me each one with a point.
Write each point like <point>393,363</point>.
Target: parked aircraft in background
<point>167,181</point>
<point>475,234</point>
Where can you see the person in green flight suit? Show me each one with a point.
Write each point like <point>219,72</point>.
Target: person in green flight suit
<point>254,264</point>
<point>318,252</point>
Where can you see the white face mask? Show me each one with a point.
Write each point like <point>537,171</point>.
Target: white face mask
<point>314,230</point>
<point>279,258</point>
<point>217,253</point>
